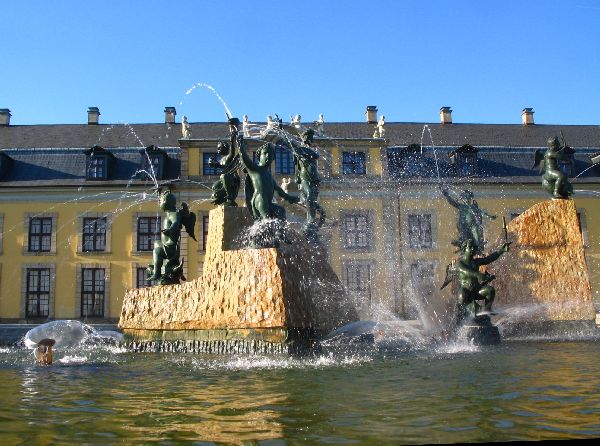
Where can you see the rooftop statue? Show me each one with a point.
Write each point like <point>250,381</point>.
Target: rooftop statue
<point>555,182</point>
<point>225,189</point>
<point>260,184</point>
<point>379,128</point>
<point>308,180</point>
<point>186,131</point>
<point>319,125</point>
<point>295,121</point>
<point>245,126</point>
<point>473,285</point>
<point>470,219</point>
<point>167,268</point>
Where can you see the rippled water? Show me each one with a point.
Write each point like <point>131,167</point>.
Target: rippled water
<point>515,391</point>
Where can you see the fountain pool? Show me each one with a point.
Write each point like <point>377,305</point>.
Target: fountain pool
<point>455,393</point>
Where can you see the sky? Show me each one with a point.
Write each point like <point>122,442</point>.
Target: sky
<point>487,60</point>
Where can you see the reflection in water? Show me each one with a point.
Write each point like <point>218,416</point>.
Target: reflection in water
<point>511,392</point>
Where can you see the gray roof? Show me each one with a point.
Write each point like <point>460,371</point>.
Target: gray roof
<point>67,166</point>
<point>53,154</point>
<point>166,135</point>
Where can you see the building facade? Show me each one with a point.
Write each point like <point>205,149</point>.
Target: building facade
<point>79,215</point>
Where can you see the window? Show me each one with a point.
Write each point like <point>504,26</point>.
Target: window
<point>204,231</point>
<point>148,231</point>
<point>419,231</point>
<point>354,163</point>
<point>206,169</point>
<point>421,282</point>
<point>98,161</point>
<point>40,234</point>
<point>154,161</point>
<point>96,167</point>
<point>92,292</point>
<point>468,164</point>
<point>141,276</point>
<point>357,231</point>
<point>153,166</point>
<point>358,279</point>
<point>94,234</point>
<point>464,159</point>
<point>38,292</point>
<point>404,161</point>
<point>284,160</point>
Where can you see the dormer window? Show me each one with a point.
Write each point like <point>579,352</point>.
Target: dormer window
<point>464,160</point>
<point>5,163</point>
<point>154,161</point>
<point>404,161</point>
<point>99,163</point>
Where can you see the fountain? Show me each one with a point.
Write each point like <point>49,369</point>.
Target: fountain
<point>264,287</point>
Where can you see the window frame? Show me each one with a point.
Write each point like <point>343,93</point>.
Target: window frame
<point>150,237</point>
<point>349,162</point>
<point>418,243</point>
<point>41,236</point>
<point>284,160</point>
<point>96,235</point>
<point>208,171</point>
<point>366,232</point>
<point>94,292</point>
<point>38,294</point>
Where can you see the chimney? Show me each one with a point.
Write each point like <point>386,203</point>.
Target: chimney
<point>5,117</point>
<point>371,114</point>
<point>93,115</point>
<point>170,113</point>
<point>527,116</point>
<point>445,115</point>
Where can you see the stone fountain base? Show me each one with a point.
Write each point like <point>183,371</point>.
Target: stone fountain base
<point>277,300</point>
<point>543,284</point>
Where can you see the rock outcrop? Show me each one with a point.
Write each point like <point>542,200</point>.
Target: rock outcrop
<point>544,277</point>
<point>292,287</point>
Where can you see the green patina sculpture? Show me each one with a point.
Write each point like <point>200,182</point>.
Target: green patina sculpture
<point>308,180</point>
<point>473,285</point>
<point>225,189</point>
<point>470,219</point>
<point>555,182</point>
<point>260,184</point>
<point>167,268</point>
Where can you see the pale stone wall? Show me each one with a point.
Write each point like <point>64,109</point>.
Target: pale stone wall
<point>544,277</point>
<point>292,286</point>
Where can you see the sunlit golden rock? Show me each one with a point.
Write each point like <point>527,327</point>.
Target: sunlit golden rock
<point>544,277</point>
<point>292,286</point>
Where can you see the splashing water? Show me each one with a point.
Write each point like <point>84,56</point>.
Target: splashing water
<point>437,167</point>
<point>212,89</point>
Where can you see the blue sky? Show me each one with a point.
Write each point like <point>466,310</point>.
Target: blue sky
<point>487,60</point>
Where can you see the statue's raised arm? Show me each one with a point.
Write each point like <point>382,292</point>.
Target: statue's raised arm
<point>449,197</point>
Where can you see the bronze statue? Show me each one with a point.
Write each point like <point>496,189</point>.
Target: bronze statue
<point>555,182</point>
<point>226,188</point>
<point>473,285</point>
<point>166,250</point>
<point>260,184</point>
<point>470,219</point>
<point>308,180</point>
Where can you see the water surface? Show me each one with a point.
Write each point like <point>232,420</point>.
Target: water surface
<point>515,391</point>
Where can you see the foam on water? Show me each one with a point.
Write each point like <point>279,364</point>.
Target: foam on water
<point>233,363</point>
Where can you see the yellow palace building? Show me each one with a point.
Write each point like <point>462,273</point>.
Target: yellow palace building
<point>78,217</point>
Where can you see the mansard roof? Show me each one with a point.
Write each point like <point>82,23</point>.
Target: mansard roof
<point>397,134</point>
<point>54,154</point>
<point>67,166</point>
